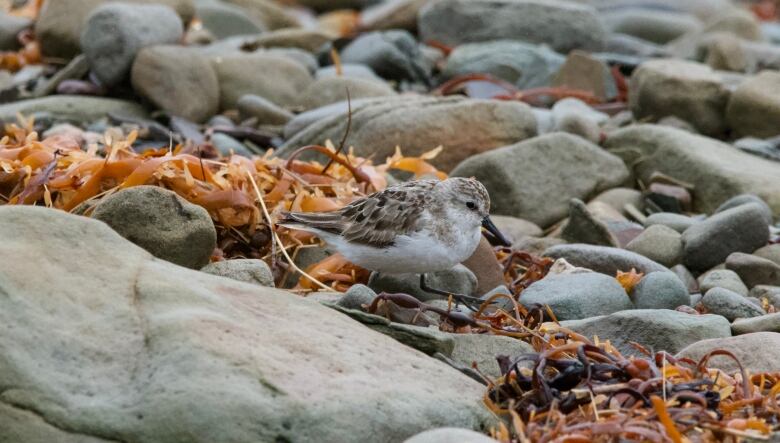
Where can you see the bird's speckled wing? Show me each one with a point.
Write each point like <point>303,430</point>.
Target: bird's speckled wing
<point>375,220</point>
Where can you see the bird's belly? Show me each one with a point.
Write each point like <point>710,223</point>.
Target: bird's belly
<point>410,255</point>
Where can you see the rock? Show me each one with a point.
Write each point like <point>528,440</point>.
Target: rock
<point>356,297</point>
<point>660,244</point>
<point>515,228</point>
<point>72,108</point>
<point>334,89</point>
<point>729,304</point>
<point>329,5</point>
<point>754,270</point>
<point>348,70</point>
<point>273,77</point>
<point>660,290</point>
<point>266,112</point>
<point>619,198</point>
<point>227,145</point>
<point>485,266</point>
<point>483,349</point>
<point>653,25</point>
<point>569,166</point>
<point>115,32</point>
<point>754,104</point>
<point>245,270</point>
<point>604,259</point>
<point>450,435</point>
<point>224,20</point>
<point>304,58</point>
<point>723,278</point>
<point>177,80</point>
<point>576,296</point>
<point>132,325</point>
<point>391,54</point>
<point>10,27</point>
<point>743,199</point>
<point>770,293</point>
<point>583,227</point>
<point>769,252</point>
<point>267,12</point>
<point>739,229</point>
<point>583,72</point>
<point>762,323</point>
<point>310,40</point>
<point>566,26</point>
<point>60,24</point>
<point>655,329</point>
<point>677,222</point>
<point>395,14</point>
<point>758,352</point>
<point>161,222</point>
<point>716,170</point>
<point>687,90</point>
<point>522,64</point>
<point>687,278</point>
<point>459,280</point>
<point>414,124</point>
<point>575,117</point>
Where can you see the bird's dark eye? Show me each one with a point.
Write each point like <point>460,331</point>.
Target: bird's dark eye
<point>471,205</point>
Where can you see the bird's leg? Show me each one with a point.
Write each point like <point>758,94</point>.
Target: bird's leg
<point>466,300</point>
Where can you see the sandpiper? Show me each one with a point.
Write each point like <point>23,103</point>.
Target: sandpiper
<point>413,227</point>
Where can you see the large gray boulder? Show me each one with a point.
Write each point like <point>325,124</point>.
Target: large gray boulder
<point>576,296</point>
<point>655,329</point>
<point>717,170</point>
<point>113,343</point>
<point>758,352</point>
<point>463,127</point>
<point>73,108</point>
<point>604,259</point>
<point>535,179</point>
<point>561,25</point>
<point>115,32</point>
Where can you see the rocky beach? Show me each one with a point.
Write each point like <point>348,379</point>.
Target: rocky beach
<point>148,293</point>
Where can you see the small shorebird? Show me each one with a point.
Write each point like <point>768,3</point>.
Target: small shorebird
<point>413,227</point>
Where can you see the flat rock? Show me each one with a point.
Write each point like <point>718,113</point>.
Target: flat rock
<point>224,20</point>
<point>161,222</point>
<point>459,280</point>
<point>274,77</point>
<point>132,325</point>
<point>115,32</point>
<point>603,259</point>
<point>265,111</point>
<point>677,222</point>
<point>762,323</point>
<point>755,104</point>
<point>73,108</point>
<point>653,25</point>
<point>562,26</point>
<point>569,166</point>
<point>242,269</point>
<point>729,304</point>
<point>744,199</point>
<point>177,80</point>
<point>717,170</point>
<point>708,243</point>
<point>576,296</point>
<point>754,270</point>
<point>723,278</point>
<point>660,290</point>
<point>758,352</point>
<point>271,14</point>
<point>523,64</point>
<point>415,124</point>
<point>307,39</point>
<point>660,244</point>
<point>655,329</point>
<point>687,90</point>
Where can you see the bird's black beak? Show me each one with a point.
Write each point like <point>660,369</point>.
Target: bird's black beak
<point>496,235</point>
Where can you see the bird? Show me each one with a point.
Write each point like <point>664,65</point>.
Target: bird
<point>418,226</point>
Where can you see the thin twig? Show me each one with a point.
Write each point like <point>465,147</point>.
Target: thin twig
<point>346,133</point>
